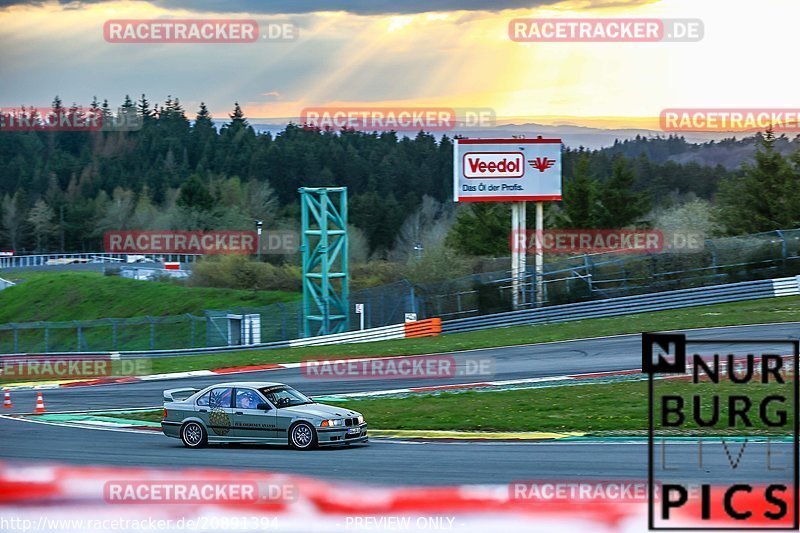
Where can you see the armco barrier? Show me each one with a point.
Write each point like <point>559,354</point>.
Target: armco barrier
<point>71,260</point>
<point>421,328</point>
<point>734,292</point>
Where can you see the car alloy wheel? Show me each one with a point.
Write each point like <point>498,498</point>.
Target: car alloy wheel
<point>193,435</point>
<point>302,436</point>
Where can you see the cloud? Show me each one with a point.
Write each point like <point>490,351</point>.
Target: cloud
<point>360,7</point>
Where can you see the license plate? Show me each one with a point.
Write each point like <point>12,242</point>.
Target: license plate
<point>353,431</point>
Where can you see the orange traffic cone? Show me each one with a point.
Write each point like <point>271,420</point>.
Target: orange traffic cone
<point>39,403</point>
<point>7,400</point>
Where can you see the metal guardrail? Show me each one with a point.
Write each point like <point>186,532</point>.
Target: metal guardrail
<point>422,328</point>
<point>55,260</point>
<point>626,305</point>
<point>733,292</point>
<point>576,278</point>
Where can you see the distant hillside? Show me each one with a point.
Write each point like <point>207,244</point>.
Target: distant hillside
<point>572,136</point>
<point>730,153</point>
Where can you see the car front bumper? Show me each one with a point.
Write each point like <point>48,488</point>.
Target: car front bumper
<point>343,435</point>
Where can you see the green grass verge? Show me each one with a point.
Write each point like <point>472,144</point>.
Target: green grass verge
<point>64,297</point>
<point>596,408</point>
<point>786,309</point>
<point>590,408</point>
<point>154,415</point>
<point>45,296</point>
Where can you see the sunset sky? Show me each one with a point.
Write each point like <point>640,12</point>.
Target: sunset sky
<point>369,54</point>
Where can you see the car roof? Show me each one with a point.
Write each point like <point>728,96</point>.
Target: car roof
<point>252,384</point>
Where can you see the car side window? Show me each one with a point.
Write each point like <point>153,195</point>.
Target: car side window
<point>220,397</point>
<point>247,399</point>
<point>203,400</point>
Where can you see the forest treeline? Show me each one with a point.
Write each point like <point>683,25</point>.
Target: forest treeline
<point>60,191</point>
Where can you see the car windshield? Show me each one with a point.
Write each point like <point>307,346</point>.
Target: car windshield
<point>283,396</point>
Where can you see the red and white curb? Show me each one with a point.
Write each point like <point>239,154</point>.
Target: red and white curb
<point>78,498</point>
<point>46,497</point>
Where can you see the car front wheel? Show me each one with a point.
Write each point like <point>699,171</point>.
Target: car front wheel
<point>194,435</point>
<point>302,436</point>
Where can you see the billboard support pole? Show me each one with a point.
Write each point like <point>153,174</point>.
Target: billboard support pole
<point>514,258</point>
<point>539,254</point>
<point>518,223</point>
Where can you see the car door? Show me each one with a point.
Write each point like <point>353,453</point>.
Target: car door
<point>249,421</point>
<point>284,415</point>
<point>214,408</point>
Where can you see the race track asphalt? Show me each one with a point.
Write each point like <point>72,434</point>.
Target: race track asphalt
<point>385,461</point>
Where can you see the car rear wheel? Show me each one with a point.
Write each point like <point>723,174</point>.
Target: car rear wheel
<point>194,435</point>
<point>302,436</point>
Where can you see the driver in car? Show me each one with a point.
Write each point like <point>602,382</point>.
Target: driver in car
<point>247,399</point>
<point>280,401</point>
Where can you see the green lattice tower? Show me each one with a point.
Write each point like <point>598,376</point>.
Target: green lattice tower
<point>324,248</point>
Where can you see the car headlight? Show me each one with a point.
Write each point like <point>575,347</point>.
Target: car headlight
<point>360,419</point>
<point>331,423</point>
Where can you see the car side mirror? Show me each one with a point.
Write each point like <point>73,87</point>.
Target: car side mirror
<point>263,406</point>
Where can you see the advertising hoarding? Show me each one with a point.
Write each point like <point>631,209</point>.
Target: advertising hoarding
<point>507,170</point>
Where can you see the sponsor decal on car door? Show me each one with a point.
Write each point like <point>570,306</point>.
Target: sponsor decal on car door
<point>214,409</point>
<point>249,421</point>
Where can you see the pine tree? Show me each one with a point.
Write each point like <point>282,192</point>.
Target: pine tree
<point>12,220</point>
<point>194,195</point>
<point>765,197</point>
<point>481,229</point>
<point>41,218</point>
<point>203,116</point>
<point>143,108</point>
<point>202,139</point>
<point>108,117</point>
<point>237,117</point>
<point>580,205</point>
<point>621,205</point>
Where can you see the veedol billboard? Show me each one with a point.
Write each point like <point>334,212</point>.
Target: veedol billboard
<point>507,170</point>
